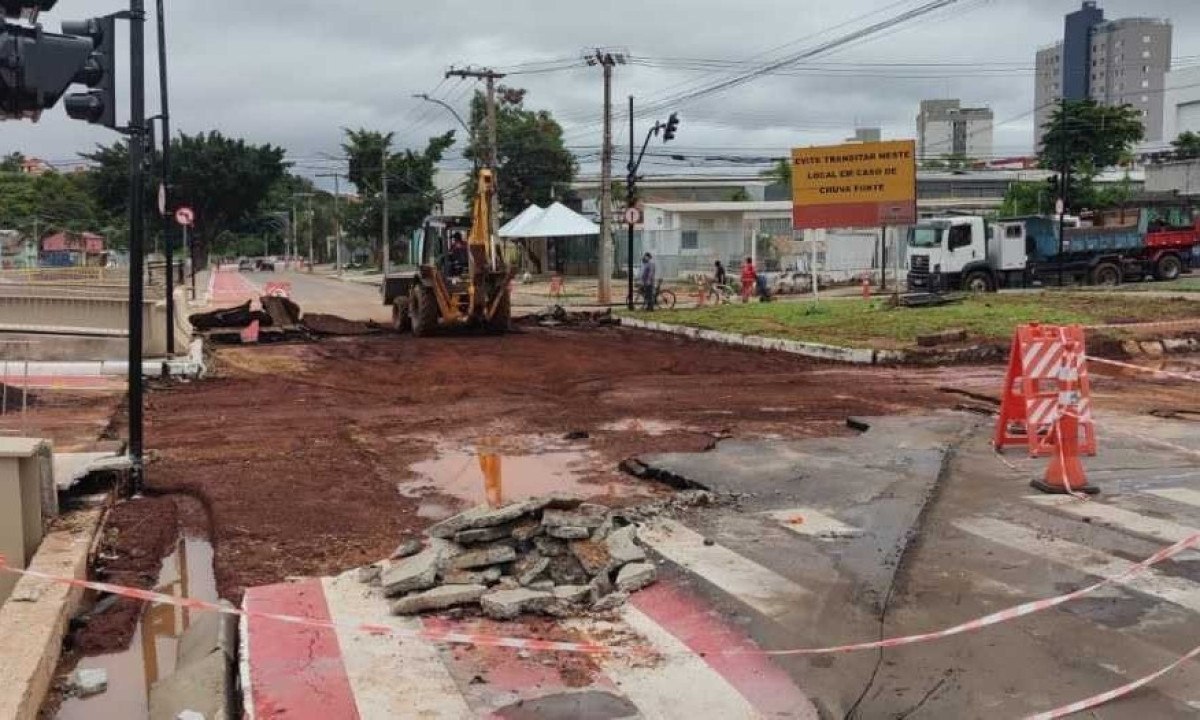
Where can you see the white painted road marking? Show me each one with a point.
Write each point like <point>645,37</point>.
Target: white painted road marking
<point>811,523</point>
<point>767,592</point>
<point>1184,496</point>
<point>1127,520</point>
<point>679,684</point>
<point>390,678</point>
<point>1086,560</point>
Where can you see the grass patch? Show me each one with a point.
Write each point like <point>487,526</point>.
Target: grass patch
<point>988,318</point>
<point>1186,285</point>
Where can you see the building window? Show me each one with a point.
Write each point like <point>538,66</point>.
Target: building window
<point>1145,99</point>
<point>1145,54</point>
<point>689,240</point>
<point>1145,69</point>
<point>1146,39</point>
<point>1145,83</point>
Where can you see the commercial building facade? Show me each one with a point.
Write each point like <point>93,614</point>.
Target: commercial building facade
<point>945,128</point>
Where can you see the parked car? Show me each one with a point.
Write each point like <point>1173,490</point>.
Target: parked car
<point>245,265</point>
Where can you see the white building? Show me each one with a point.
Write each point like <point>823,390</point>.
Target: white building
<point>945,128</point>
<point>1181,104</point>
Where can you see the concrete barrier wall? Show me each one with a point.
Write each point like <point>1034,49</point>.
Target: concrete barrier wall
<point>64,313</point>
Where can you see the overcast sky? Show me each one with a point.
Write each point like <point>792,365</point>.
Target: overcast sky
<point>293,72</point>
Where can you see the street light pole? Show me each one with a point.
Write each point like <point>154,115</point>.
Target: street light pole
<point>137,232</point>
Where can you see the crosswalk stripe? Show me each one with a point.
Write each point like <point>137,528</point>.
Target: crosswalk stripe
<point>1183,496</point>
<point>1086,560</point>
<point>389,678</point>
<point>679,684</point>
<point>1127,520</point>
<point>767,592</point>
<point>812,523</point>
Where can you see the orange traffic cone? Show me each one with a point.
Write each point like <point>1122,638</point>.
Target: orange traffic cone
<point>1065,474</point>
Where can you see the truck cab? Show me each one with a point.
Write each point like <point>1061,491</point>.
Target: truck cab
<point>965,253</point>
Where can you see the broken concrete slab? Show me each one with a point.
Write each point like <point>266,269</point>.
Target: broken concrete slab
<point>635,576</point>
<point>87,682</point>
<point>467,577</point>
<point>550,547</point>
<point>482,535</point>
<point>482,517</point>
<point>484,557</point>
<point>509,604</point>
<point>569,533</point>
<point>418,572</point>
<point>369,574</point>
<point>572,593</point>
<point>591,520</point>
<point>593,556</point>
<point>439,598</point>
<point>526,531</point>
<point>623,548</point>
<point>610,602</point>
<point>408,548</point>
<point>566,570</point>
<point>530,568</point>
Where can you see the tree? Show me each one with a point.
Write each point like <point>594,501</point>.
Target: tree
<point>738,195</point>
<point>12,162</point>
<point>532,159</point>
<point>1028,198</point>
<point>47,203</point>
<point>225,180</point>
<point>412,191</point>
<point>780,173</point>
<point>1187,146</point>
<point>1089,136</point>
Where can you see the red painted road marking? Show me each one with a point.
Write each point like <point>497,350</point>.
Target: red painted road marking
<point>296,672</point>
<point>231,287</point>
<point>698,626</point>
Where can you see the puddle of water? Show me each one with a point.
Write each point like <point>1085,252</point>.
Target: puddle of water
<point>653,428</point>
<point>187,572</point>
<point>482,475</point>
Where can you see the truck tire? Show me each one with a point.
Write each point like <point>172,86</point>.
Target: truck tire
<point>401,320</point>
<point>1169,267</point>
<point>1106,274</point>
<point>423,312</point>
<point>978,282</point>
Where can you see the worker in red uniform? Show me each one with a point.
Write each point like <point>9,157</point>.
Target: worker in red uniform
<point>749,279</point>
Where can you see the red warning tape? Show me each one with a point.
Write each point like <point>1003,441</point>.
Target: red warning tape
<point>1153,371</point>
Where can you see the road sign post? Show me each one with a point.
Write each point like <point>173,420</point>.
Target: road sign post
<point>185,216</point>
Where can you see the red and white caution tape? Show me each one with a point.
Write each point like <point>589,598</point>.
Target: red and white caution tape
<point>1140,368</point>
<point>1115,693</point>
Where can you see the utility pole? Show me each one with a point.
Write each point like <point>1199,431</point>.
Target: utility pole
<point>337,221</point>
<point>165,116</point>
<point>310,233</point>
<point>631,199</point>
<point>607,61</point>
<point>387,241</point>
<point>490,76</point>
<point>1064,181</point>
<point>137,230</point>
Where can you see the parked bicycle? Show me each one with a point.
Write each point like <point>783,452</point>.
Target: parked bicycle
<point>664,299</point>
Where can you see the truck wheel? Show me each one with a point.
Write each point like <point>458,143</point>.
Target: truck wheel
<point>424,311</point>
<point>978,282</point>
<point>1107,275</point>
<point>401,320</point>
<point>1169,267</point>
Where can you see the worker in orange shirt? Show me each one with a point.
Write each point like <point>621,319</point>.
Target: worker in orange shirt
<point>749,279</point>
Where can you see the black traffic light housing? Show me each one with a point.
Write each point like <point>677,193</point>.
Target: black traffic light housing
<point>98,105</point>
<point>36,67</point>
<point>672,127</point>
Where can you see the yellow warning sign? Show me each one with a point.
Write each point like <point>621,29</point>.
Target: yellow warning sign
<point>860,184</point>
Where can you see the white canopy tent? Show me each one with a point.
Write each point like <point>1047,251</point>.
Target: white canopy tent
<point>556,221</point>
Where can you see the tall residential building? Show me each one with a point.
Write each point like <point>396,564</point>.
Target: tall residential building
<point>945,128</point>
<point>1115,62</point>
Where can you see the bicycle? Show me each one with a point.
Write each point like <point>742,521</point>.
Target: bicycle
<point>715,294</point>
<point>662,298</point>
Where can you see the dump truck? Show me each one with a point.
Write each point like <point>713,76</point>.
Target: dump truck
<point>973,254</point>
<point>461,279</point>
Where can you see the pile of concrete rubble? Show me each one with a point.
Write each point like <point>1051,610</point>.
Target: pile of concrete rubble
<point>553,556</point>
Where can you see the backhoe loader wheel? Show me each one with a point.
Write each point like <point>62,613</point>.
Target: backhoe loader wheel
<point>401,319</point>
<point>500,320</point>
<point>423,311</point>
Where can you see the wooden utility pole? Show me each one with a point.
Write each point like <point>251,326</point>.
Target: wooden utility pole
<point>387,241</point>
<point>337,221</point>
<point>606,60</point>
<point>493,155</point>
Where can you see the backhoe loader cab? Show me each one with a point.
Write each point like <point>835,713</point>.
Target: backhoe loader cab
<point>461,279</point>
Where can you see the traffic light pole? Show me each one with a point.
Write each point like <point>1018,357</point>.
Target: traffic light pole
<point>631,199</point>
<point>137,230</point>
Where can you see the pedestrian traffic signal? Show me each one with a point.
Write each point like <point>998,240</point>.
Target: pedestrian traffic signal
<point>26,9</point>
<point>37,68</point>
<point>672,127</point>
<point>98,105</point>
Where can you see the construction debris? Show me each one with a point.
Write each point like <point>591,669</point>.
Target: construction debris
<point>554,556</point>
<point>557,315</point>
<point>280,319</point>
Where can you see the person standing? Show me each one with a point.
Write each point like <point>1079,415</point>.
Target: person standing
<point>649,280</point>
<point>720,277</point>
<point>749,279</point>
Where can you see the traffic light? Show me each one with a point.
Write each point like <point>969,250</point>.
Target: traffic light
<point>27,10</point>
<point>36,67</point>
<point>672,128</point>
<point>98,105</point>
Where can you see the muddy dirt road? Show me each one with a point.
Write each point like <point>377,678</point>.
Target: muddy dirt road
<point>304,454</point>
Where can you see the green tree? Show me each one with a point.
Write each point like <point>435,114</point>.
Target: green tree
<point>225,180</point>
<point>780,173</point>
<point>532,159</point>
<point>1187,146</point>
<point>738,195</point>
<point>1027,198</point>
<point>12,162</point>
<point>1088,137</point>
<point>412,192</point>
<point>38,205</point>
